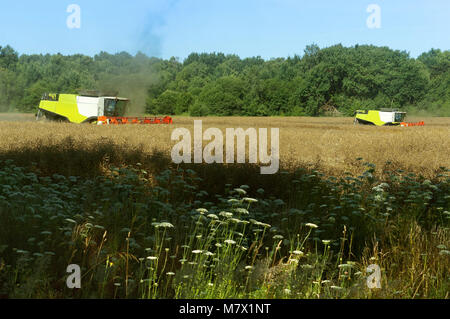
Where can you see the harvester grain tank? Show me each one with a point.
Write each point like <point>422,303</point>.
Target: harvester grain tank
<point>91,109</point>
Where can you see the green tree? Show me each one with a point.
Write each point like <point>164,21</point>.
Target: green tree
<point>224,97</point>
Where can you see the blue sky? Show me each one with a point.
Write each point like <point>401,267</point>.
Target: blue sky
<point>266,28</point>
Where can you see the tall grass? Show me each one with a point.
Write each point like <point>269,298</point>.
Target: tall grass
<point>165,232</point>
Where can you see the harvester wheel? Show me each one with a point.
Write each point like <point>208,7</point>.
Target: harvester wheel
<point>41,116</point>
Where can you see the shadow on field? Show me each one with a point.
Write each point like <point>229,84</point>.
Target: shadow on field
<point>329,225</point>
<point>70,158</point>
<point>89,160</point>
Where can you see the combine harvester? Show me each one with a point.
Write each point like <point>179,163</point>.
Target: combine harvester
<point>91,109</point>
<point>383,117</point>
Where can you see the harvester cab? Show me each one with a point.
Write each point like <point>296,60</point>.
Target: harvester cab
<point>90,109</point>
<point>383,117</point>
<point>114,106</point>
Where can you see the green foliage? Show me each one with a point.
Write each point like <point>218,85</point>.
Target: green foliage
<point>141,235</point>
<point>33,94</point>
<point>224,96</point>
<point>437,100</point>
<point>8,58</point>
<point>199,109</point>
<point>337,77</point>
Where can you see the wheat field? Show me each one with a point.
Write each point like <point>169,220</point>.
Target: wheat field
<point>109,199</point>
<point>330,145</point>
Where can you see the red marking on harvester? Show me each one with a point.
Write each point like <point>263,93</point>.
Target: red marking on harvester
<point>134,120</point>
<point>412,124</point>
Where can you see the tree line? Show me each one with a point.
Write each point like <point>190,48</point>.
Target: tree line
<point>332,80</point>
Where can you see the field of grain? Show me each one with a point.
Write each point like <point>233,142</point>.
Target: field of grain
<point>110,200</point>
<point>330,145</point>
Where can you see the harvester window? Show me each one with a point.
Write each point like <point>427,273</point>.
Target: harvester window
<point>399,117</point>
<point>50,97</point>
<point>115,107</point>
<point>110,106</point>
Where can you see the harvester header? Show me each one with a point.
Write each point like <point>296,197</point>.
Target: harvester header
<point>134,120</point>
<point>91,109</point>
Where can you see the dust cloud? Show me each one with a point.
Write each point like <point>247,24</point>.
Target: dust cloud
<point>132,86</point>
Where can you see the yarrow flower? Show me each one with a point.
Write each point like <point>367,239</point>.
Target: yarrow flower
<point>345,266</point>
<point>226,214</point>
<point>240,191</point>
<point>241,210</point>
<point>163,225</point>
<point>336,288</point>
<point>311,225</point>
<point>381,187</point>
<point>202,210</point>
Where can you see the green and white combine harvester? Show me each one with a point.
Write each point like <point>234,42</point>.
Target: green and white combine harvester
<point>91,109</point>
<point>383,117</point>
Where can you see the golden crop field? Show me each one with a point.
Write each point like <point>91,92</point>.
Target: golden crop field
<point>330,145</point>
<point>109,199</point>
